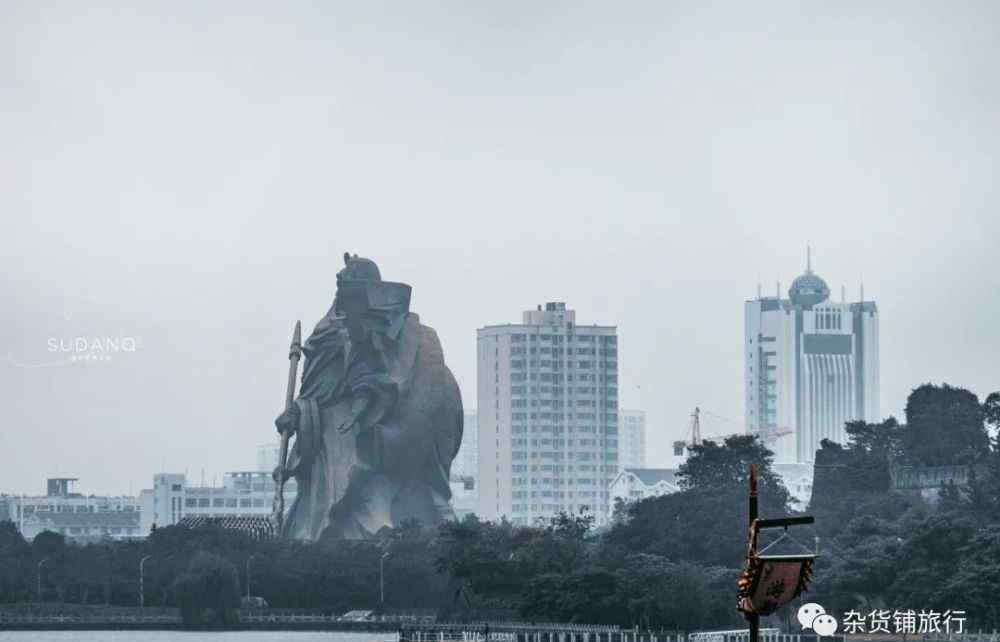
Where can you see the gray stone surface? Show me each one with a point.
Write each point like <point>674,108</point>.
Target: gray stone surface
<point>378,418</point>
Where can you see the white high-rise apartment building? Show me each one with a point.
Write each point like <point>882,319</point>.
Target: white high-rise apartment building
<point>811,365</point>
<point>466,462</point>
<point>268,456</point>
<point>631,439</point>
<point>547,392</point>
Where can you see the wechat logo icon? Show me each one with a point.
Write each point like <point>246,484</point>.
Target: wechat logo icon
<point>813,616</point>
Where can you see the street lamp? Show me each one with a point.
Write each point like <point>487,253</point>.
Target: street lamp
<point>142,586</point>
<point>40,578</point>
<point>381,579</point>
<point>248,574</point>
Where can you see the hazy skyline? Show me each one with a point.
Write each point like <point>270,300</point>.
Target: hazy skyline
<point>190,177</point>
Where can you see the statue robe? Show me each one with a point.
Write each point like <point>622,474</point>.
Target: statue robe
<point>379,425</point>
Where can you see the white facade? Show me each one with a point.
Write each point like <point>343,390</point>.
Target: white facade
<point>811,365</point>
<point>547,393</point>
<point>464,496</point>
<point>268,456</point>
<point>631,439</point>
<point>466,463</point>
<point>798,479</point>
<point>242,494</point>
<point>76,516</point>
<point>634,484</point>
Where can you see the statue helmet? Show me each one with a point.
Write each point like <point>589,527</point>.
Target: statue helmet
<point>358,269</point>
<point>361,291</point>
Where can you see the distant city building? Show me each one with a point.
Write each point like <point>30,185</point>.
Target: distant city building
<point>466,463</point>
<point>632,439</point>
<point>267,456</point>
<point>811,366</point>
<point>798,479</point>
<point>464,495</point>
<point>81,518</point>
<point>633,484</point>
<point>547,393</point>
<point>242,494</point>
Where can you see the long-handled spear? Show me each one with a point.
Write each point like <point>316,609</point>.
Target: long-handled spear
<point>294,353</point>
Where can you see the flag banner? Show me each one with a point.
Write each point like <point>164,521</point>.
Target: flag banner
<point>769,582</point>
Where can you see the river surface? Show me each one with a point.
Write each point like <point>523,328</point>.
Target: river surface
<point>191,636</point>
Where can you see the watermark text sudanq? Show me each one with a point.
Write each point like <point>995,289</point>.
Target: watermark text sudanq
<point>97,348</point>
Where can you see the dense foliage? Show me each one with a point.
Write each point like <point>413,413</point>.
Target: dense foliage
<point>208,592</point>
<point>668,562</point>
<point>890,549</point>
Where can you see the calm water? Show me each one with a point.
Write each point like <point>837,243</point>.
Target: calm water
<point>184,636</point>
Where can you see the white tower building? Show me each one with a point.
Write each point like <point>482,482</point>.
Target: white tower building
<point>547,393</point>
<point>632,439</point>
<point>811,365</point>
<point>466,463</point>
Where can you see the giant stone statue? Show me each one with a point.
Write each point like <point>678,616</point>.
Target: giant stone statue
<point>378,418</point>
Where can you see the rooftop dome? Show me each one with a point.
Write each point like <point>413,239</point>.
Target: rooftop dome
<point>808,289</point>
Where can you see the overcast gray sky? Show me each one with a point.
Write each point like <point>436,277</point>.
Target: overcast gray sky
<point>189,174</point>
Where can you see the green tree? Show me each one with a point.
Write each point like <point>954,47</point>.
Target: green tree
<point>483,558</point>
<point>983,489</point>
<point>870,449</point>
<point>208,593</point>
<point>14,554</point>
<point>930,553</point>
<point>48,544</point>
<point>701,526</point>
<point>882,439</point>
<point>727,465</point>
<point>862,564</point>
<point>944,426</point>
<point>589,594</point>
<point>559,547</point>
<point>991,409</point>
<point>975,583</point>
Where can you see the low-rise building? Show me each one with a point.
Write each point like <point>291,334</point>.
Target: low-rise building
<point>798,479</point>
<point>81,518</point>
<point>634,484</point>
<point>242,494</point>
<point>927,481</point>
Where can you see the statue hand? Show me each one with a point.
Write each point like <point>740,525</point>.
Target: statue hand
<point>280,475</point>
<point>288,421</point>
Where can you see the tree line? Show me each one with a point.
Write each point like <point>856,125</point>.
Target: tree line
<point>667,562</point>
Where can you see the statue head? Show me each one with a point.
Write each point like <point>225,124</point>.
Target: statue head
<point>368,303</point>
<point>351,283</point>
<point>358,269</point>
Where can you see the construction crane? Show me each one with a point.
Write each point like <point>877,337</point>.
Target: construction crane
<point>680,447</point>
